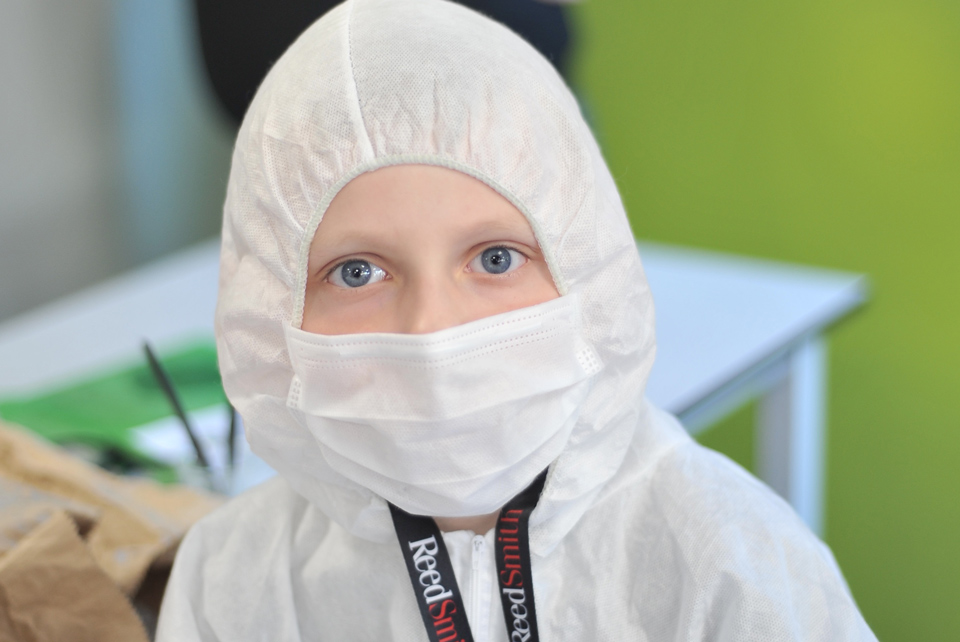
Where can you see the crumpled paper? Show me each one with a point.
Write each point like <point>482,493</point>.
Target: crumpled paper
<point>51,588</point>
<point>77,542</point>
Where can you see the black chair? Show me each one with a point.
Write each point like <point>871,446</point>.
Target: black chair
<point>241,39</point>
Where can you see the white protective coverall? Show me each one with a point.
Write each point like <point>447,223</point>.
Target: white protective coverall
<point>640,534</point>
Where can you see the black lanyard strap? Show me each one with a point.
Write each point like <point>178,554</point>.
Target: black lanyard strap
<point>431,574</point>
<point>433,581</point>
<point>513,563</point>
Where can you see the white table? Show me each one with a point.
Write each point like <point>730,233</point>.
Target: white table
<point>728,329</point>
<point>731,329</point>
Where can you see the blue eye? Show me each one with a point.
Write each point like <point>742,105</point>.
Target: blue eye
<point>356,273</point>
<point>497,260</point>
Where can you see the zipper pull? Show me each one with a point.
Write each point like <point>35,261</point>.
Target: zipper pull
<point>478,544</point>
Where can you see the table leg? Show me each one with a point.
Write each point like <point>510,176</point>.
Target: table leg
<point>790,432</point>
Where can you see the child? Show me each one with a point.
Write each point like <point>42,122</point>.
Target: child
<point>435,324</point>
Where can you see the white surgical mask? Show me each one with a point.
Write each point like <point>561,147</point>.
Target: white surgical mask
<point>452,423</point>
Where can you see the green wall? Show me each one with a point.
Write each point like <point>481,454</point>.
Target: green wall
<point>825,133</point>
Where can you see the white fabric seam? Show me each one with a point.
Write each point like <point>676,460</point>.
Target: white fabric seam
<point>368,144</point>
<point>433,363</point>
<point>403,340</point>
<point>434,160</point>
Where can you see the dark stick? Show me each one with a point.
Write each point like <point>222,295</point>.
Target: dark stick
<point>232,436</point>
<point>167,386</point>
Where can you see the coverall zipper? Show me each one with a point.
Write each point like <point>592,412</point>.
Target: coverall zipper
<point>480,626</point>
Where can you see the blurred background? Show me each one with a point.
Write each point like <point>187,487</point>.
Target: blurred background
<point>821,133</point>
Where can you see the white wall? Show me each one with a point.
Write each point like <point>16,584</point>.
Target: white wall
<point>111,151</point>
<point>58,178</point>
<point>175,145</point>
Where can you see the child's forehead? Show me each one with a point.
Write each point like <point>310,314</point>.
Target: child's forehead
<point>434,200</point>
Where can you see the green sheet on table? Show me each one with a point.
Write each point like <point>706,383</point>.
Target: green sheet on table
<point>98,411</point>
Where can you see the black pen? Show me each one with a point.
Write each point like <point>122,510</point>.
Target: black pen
<point>167,386</point>
<point>232,437</point>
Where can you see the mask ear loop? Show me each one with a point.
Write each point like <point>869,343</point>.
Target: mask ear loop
<point>310,230</point>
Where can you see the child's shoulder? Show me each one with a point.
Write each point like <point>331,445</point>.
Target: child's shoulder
<point>709,508</point>
<point>261,522</point>
<point>236,557</point>
<point>702,544</point>
<point>687,488</point>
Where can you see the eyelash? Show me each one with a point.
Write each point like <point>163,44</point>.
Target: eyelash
<point>507,246</point>
<point>504,246</point>
<point>378,273</point>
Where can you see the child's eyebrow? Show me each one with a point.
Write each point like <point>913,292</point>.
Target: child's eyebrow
<point>518,230</point>
<point>341,241</point>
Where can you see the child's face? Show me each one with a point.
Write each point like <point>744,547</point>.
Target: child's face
<point>415,249</point>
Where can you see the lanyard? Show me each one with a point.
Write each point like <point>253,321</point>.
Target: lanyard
<point>435,586</point>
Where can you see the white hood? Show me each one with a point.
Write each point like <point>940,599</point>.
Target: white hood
<point>640,534</point>
<point>383,82</point>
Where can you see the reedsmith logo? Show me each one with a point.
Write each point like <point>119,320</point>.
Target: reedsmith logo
<point>511,576</point>
<point>433,580</point>
<point>439,600</point>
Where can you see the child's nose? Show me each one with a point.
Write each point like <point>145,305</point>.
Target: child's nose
<point>430,305</point>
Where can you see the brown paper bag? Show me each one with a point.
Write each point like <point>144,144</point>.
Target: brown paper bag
<point>66,524</point>
<point>51,589</point>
